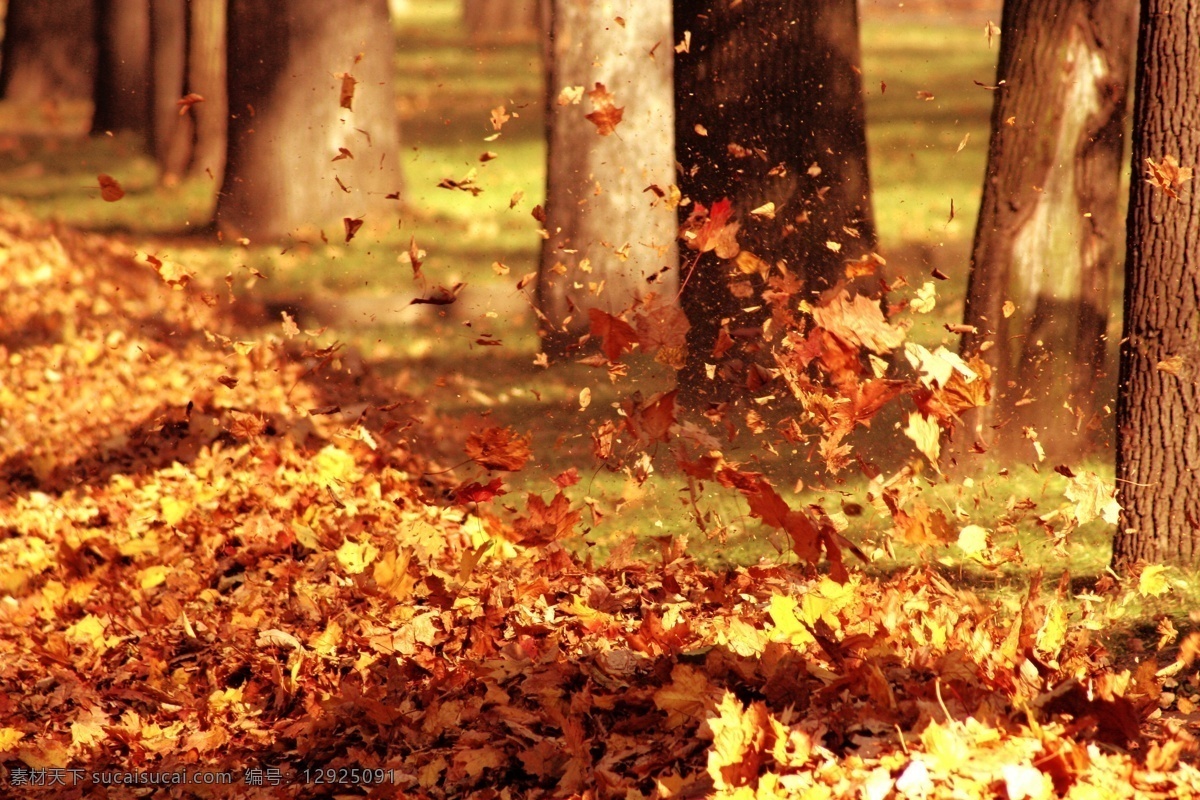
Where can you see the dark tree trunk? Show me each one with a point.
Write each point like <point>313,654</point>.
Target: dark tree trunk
<point>770,109</point>
<point>493,21</point>
<point>1048,234</point>
<point>287,123</point>
<point>604,226</point>
<point>122,89</point>
<point>49,51</point>
<point>172,132</point>
<point>1158,412</point>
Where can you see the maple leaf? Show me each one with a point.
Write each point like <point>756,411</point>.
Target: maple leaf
<point>546,523</point>
<point>475,492</point>
<point>499,449</point>
<point>110,190</point>
<point>739,739</point>
<point>860,322</point>
<point>499,116</point>
<point>607,115</point>
<point>710,230</point>
<point>1168,175</point>
<point>617,335</point>
<point>650,421</point>
<point>660,324</point>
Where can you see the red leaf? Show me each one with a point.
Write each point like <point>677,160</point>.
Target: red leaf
<point>475,492</point>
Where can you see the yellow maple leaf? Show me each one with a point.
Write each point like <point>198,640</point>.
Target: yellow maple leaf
<point>973,540</point>
<point>356,557</point>
<point>9,738</point>
<point>926,434</point>
<point>1153,581</point>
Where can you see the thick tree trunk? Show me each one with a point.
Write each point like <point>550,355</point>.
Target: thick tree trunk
<point>122,88</point>
<point>770,109</point>
<point>49,51</point>
<point>1048,232</point>
<point>171,140</point>
<point>287,123</point>
<point>608,234</point>
<point>1158,411</point>
<point>494,21</point>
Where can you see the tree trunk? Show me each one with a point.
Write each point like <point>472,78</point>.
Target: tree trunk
<point>1048,232</point>
<point>770,109</point>
<point>493,21</point>
<point>287,124</point>
<point>172,132</point>
<point>206,77</point>
<point>608,234</point>
<point>122,88</point>
<point>49,51</point>
<point>1158,404</point>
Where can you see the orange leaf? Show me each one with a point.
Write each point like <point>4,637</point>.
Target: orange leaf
<point>498,448</point>
<point>187,101</point>
<point>650,421</point>
<point>546,523</point>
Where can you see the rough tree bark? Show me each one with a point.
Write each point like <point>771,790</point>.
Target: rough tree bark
<point>1158,404</point>
<point>122,84</point>
<point>287,123</point>
<point>1049,228</point>
<point>49,51</point>
<point>770,109</point>
<point>608,234</point>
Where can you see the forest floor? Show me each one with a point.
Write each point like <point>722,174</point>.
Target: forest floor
<point>231,542</point>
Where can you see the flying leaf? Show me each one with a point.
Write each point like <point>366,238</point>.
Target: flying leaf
<point>607,115</point>
<point>1168,175</point>
<point>1153,581</point>
<point>859,322</point>
<point>352,225</point>
<point>110,190</point>
<point>499,117</point>
<point>1093,498</point>
<point>346,94</point>
<point>475,492</point>
<point>498,449</point>
<point>926,434</point>
<point>617,336</point>
<point>187,101</point>
<point>546,522</point>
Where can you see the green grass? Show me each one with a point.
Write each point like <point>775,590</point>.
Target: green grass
<point>446,90</point>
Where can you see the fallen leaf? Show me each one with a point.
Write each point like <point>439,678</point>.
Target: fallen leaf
<point>607,115</point>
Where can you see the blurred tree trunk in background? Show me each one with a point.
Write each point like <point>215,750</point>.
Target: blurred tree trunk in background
<point>122,83</point>
<point>1158,405</point>
<point>769,108</point>
<point>188,55</point>
<point>171,142</point>
<point>49,51</point>
<point>206,77</point>
<point>1049,227</point>
<point>492,21</point>
<point>608,234</point>
<point>286,63</point>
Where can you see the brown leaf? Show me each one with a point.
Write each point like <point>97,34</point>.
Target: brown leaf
<point>479,493</point>
<point>546,523</point>
<point>352,225</point>
<point>1168,175</point>
<point>859,322</point>
<point>498,449</point>
<point>607,114</point>
<point>650,421</point>
<point>346,95</point>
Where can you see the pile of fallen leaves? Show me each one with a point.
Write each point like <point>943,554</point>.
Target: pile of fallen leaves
<point>218,556</point>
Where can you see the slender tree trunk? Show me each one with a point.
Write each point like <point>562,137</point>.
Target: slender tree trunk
<point>49,51</point>
<point>172,132</point>
<point>1158,405</point>
<point>287,122</point>
<point>206,77</point>
<point>122,87</point>
<point>770,110</point>
<point>1048,234</point>
<point>489,21</point>
<point>608,234</point>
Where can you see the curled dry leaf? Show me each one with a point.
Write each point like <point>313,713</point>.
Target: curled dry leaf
<point>859,322</point>
<point>346,92</point>
<point>187,101</point>
<point>499,449</point>
<point>1168,175</point>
